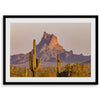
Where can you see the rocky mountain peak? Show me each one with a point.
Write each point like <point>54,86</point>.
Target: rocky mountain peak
<point>50,40</point>
<point>46,35</point>
<point>49,37</point>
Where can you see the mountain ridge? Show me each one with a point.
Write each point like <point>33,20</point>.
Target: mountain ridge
<point>47,50</point>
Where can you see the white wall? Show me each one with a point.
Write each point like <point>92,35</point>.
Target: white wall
<point>47,7</point>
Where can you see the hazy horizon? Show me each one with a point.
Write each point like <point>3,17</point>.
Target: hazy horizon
<point>72,36</point>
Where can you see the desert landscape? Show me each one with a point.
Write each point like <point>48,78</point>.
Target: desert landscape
<point>49,59</point>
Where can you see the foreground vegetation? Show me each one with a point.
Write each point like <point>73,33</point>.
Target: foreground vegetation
<point>75,70</point>
<point>34,70</point>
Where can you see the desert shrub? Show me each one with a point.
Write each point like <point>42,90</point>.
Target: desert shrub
<point>75,70</point>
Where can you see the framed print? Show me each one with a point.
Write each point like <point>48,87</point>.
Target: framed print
<point>50,50</point>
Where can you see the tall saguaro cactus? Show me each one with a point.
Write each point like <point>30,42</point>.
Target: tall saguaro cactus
<point>58,65</point>
<point>34,63</point>
<point>69,69</point>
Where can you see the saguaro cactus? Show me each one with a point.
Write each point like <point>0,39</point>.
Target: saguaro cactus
<point>58,65</point>
<point>69,69</point>
<point>34,63</point>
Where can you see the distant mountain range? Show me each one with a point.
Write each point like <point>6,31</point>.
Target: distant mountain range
<point>47,50</point>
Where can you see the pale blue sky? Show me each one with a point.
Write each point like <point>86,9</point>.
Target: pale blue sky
<point>72,36</point>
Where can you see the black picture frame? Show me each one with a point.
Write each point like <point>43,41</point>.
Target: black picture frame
<point>49,83</point>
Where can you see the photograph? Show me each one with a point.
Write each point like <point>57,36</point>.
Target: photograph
<point>50,50</point>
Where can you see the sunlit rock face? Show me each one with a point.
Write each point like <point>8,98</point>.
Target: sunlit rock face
<point>49,40</point>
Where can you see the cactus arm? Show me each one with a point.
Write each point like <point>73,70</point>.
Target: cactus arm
<point>39,64</point>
